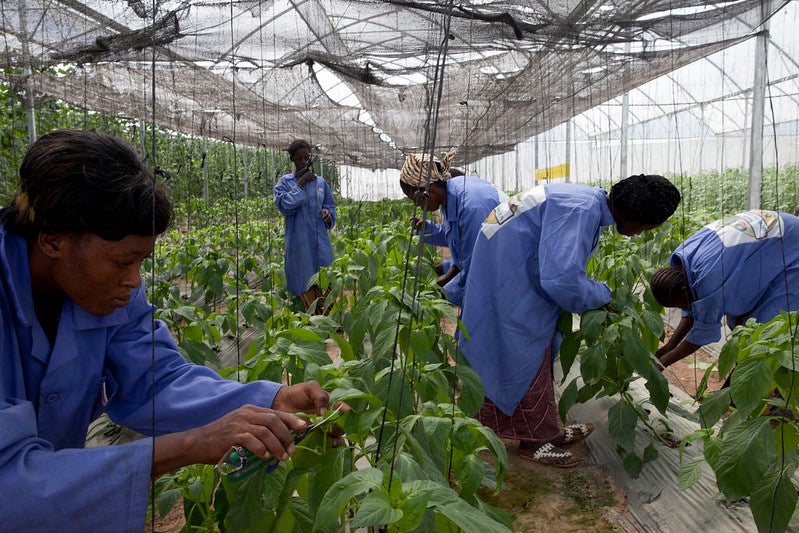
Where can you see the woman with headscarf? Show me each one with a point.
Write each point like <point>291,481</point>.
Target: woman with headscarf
<point>464,201</point>
<point>743,266</point>
<point>528,266</point>
<point>307,204</point>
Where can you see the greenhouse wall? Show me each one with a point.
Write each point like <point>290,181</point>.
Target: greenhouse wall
<point>594,161</point>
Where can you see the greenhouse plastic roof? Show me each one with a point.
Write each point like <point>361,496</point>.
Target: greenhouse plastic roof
<point>359,78</point>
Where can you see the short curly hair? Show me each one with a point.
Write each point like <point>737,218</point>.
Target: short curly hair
<point>297,145</point>
<point>646,199</point>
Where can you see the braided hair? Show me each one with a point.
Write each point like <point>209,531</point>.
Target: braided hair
<point>646,199</point>
<point>668,284</point>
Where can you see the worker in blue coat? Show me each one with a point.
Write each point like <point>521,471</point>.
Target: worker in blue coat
<point>528,266</point>
<point>464,201</point>
<point>307,204</point>
<point>742,266</point>
<point>78,339</point>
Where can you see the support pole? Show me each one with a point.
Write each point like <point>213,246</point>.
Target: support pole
<point>758,112</point>
<point>623,136</point>
<point>28,101</point>
<point>568,149</point>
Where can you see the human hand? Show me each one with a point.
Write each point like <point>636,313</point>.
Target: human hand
<point>307,397</point>
<point>326,216</point>
<point>264,432</point>
<point>304,175</point>
<point>418,223</point>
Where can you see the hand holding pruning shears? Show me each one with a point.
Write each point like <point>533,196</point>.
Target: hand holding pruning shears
<point>239,462</point>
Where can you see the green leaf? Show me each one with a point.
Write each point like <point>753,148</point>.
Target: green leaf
<point>650,453</point>
<point>568,351</point>
<point>413,508</point>
<point>444,501</point>
<point>621,425</point>
<point>773,500</point>
<point>689,474</point>
<point>748,449</point>
<point>658,387</point>
<point>751,382</point>
<point>654,321</point>
<point>591,323</point>
<point>728,356</point>
<point>592,364</point>
<point>472,392</point>
<point>353,484</point>
<point>375,510</point>
<point>633,465</point>
<point>637,354</point>
<point>344,347</point>
<point>713,406</point>
<point>567,399</point>
<point>469,473</point>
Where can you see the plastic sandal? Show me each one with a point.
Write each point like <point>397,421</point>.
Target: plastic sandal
<point>576,433</point>
<point>548,454</point>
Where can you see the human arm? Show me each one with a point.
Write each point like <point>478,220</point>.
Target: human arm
<point>677,348</point>
<point>288,195</point>
<point>329,208</point>
<point>431,232</point>
<point>260,430</point>
<point>567,240</point>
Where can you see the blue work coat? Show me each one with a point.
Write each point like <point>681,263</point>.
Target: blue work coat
<point>525,272</point>
<point>50,393</point>
<point>469,201</point>
<point>307,243</point>
<point>742,266</point>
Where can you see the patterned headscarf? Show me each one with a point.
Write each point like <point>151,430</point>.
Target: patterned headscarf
<point>414,171</point>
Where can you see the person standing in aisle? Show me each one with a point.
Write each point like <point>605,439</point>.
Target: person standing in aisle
<point>465,202</point>
<point>307,204</point>
<point>528,266</point>
<point>743,266</point>
<point>78,339</point>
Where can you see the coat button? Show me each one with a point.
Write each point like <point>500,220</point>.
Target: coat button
<point>51,398</point>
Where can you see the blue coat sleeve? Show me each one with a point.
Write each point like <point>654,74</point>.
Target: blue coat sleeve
<point>288,196</point>
<point>435,234</point>
<point>330,204</point>
<point>92,489</point>
<point>186,395</point>
<point>568,238</point>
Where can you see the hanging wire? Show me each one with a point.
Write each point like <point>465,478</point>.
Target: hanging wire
<point>429,145</point>
<point>154,9</point>
<point>235,188</point>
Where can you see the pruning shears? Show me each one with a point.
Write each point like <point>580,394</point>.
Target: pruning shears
<point>239,462</point>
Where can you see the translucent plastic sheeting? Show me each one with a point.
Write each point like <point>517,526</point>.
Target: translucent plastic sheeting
<point>357,77</point>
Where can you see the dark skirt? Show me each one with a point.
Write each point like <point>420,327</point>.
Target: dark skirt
<point>536,417</point>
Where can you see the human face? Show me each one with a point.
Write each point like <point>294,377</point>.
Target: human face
<point>301,158</point>
<point>97,274</point>
<point>630,228</point>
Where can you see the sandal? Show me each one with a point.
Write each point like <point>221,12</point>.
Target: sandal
<point>547,454</point>
<point>576,433</point>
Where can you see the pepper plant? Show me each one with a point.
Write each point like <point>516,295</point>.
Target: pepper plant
<point>754,452</point>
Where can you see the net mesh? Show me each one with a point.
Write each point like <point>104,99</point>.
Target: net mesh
<point>515,68</point>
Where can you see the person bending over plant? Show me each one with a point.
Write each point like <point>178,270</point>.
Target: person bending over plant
<point>743,266</point>
<point>528,266</point>
<point>465,202</point>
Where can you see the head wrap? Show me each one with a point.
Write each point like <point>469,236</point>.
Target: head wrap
<point>414,171</point>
